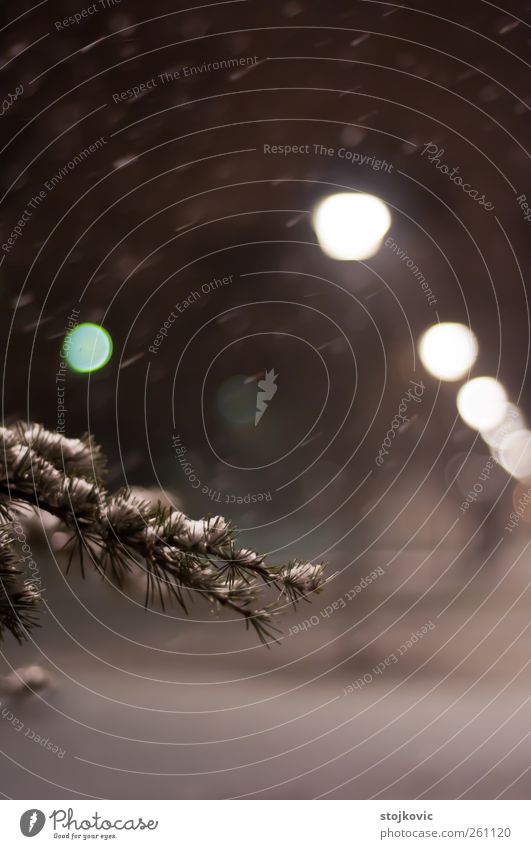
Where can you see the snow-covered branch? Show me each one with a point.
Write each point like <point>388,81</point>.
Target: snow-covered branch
<point>119,532</point>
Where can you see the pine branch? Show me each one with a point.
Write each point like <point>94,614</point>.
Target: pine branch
<point>18,600</point>
<point>119,532</point>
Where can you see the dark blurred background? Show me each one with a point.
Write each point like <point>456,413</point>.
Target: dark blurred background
<point>178,194</point>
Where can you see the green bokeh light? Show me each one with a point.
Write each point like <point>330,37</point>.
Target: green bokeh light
<point>88,347</point>
<point>236,400</point>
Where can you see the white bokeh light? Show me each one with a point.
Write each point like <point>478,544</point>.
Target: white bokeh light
<point>351,226</point>
<point>482,403</point>
<point>448,350</point>
<point>513,420</point>
<point>515,454</point>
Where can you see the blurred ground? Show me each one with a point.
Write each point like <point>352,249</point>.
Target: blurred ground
<point>177,721</point>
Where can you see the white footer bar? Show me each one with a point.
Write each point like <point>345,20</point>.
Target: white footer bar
<point>267,824</point>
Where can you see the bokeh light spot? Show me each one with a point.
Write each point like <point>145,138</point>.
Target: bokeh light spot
<point>88,347</point>
<point>482,403</point>
<point>515,454</point>
<point>512,421</point>
<point>351,226</point>
<point>236,400</point>
<point>448,350</point>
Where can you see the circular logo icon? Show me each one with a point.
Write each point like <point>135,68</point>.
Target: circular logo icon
<point>31,822</point>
